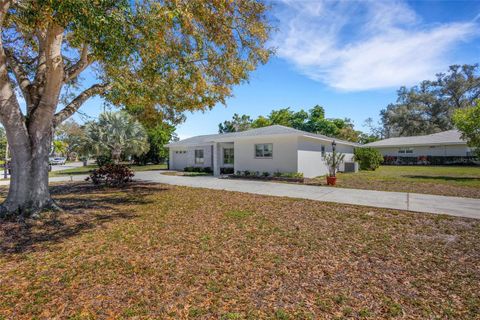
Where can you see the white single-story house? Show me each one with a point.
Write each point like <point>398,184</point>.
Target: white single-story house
<point>270,149</point>
<point>442,144</point>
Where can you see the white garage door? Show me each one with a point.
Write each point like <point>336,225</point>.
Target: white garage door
<point>179,159</point>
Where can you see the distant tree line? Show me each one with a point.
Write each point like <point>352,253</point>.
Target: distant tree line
<point>312,120</point>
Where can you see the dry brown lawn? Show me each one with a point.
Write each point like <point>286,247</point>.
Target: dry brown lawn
<point>165,252</point>
<point>453,181</point>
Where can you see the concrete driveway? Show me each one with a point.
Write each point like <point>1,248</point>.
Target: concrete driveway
<point>455,206</point>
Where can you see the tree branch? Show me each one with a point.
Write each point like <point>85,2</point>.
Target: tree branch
<point>4,5</point>
<point>10,113</point>
<point>74,70</point>
<point>38,81</point>
<point>20,74</point>
<point>76,103</point>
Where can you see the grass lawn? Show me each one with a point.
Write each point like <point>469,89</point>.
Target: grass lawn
<point>164,252</point>
<point>87,169</point>
<point>448,180</point>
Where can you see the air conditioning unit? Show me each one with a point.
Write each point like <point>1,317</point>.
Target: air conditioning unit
<point>351,167</point>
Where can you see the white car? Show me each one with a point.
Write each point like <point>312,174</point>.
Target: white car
<point>57,160</point>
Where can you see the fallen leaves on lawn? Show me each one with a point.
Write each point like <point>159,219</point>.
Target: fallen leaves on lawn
<point>156,251</point>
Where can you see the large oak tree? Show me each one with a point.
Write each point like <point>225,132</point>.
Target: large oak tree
<point>429,107</point>
<point>164,57</point>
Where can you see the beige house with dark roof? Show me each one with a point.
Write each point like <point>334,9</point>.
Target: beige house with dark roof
<point>442,144</point>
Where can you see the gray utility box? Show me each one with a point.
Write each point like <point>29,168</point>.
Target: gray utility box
<point>351,166</point>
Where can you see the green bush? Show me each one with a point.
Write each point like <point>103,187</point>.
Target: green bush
<point>103,160</point>
<point>198,169</point>
<point>296,175</point>
<point>113,175</point>
<point>224,170</point>
<point>368,158</point>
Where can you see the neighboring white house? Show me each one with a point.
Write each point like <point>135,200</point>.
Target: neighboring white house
<point>442,144</point>
<point>269,149</point>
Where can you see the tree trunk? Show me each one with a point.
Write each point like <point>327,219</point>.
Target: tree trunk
<point>28,193</point>
<point>30,135</point>
<point>116,155</point>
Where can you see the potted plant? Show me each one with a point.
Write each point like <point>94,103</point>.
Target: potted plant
<point>333,161</point>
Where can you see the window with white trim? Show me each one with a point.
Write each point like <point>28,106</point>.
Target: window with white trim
<point>264,150</point>
<point>228,156</point>
<point>405,150</point>
<point>199,158</point>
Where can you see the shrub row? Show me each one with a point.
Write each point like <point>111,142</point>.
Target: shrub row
<point>430,160</point>
<point>297,176</point>
<point>226,171</point>
<point>198,169</point>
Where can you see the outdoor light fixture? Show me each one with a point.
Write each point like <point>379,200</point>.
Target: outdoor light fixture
<point>334,144</point>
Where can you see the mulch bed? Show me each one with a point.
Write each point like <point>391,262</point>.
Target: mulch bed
<point>164,252</point>
<point>262,178</point>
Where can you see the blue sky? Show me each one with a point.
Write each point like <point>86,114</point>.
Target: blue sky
<point>350,57</point>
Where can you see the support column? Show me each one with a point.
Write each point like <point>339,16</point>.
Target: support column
<point>216,165</point>
<point>170,158</point>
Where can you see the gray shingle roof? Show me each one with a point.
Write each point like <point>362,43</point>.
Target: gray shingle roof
<point>442,138</point>
<point>265,131</point>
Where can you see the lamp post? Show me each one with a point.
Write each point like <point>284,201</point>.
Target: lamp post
<point>334,146</point>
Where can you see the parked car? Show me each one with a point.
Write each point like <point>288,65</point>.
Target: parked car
<point>57,160</point>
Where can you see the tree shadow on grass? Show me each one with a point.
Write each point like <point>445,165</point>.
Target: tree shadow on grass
<point>86,207</point>
<point>448,178</point>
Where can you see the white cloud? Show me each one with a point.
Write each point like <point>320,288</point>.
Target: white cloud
<point>365,45</point>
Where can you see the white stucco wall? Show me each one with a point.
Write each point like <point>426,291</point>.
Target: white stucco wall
<point>178,161</point>
<point>284,157</point>
<point>290,154</point>
<point>449,150</point>
<point>310,160</point>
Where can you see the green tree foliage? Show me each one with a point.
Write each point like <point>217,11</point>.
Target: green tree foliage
<point>467,121</point>
<point>164,57</point>
<point>312,121</point>
<point>116,134</point>
<point>238,123</point>
<point>261,122</point>
<point>375,132</point>
<point>368,158</point>
<point>72,135</point>
<point>428,107</point>
<point>160,131</point>
<point>158,136</point>
<point>59,147</point>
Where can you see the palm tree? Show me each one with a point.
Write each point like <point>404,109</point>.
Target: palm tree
<point>116,133</point>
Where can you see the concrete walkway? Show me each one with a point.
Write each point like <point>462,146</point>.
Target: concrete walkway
<point>454,206</point>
